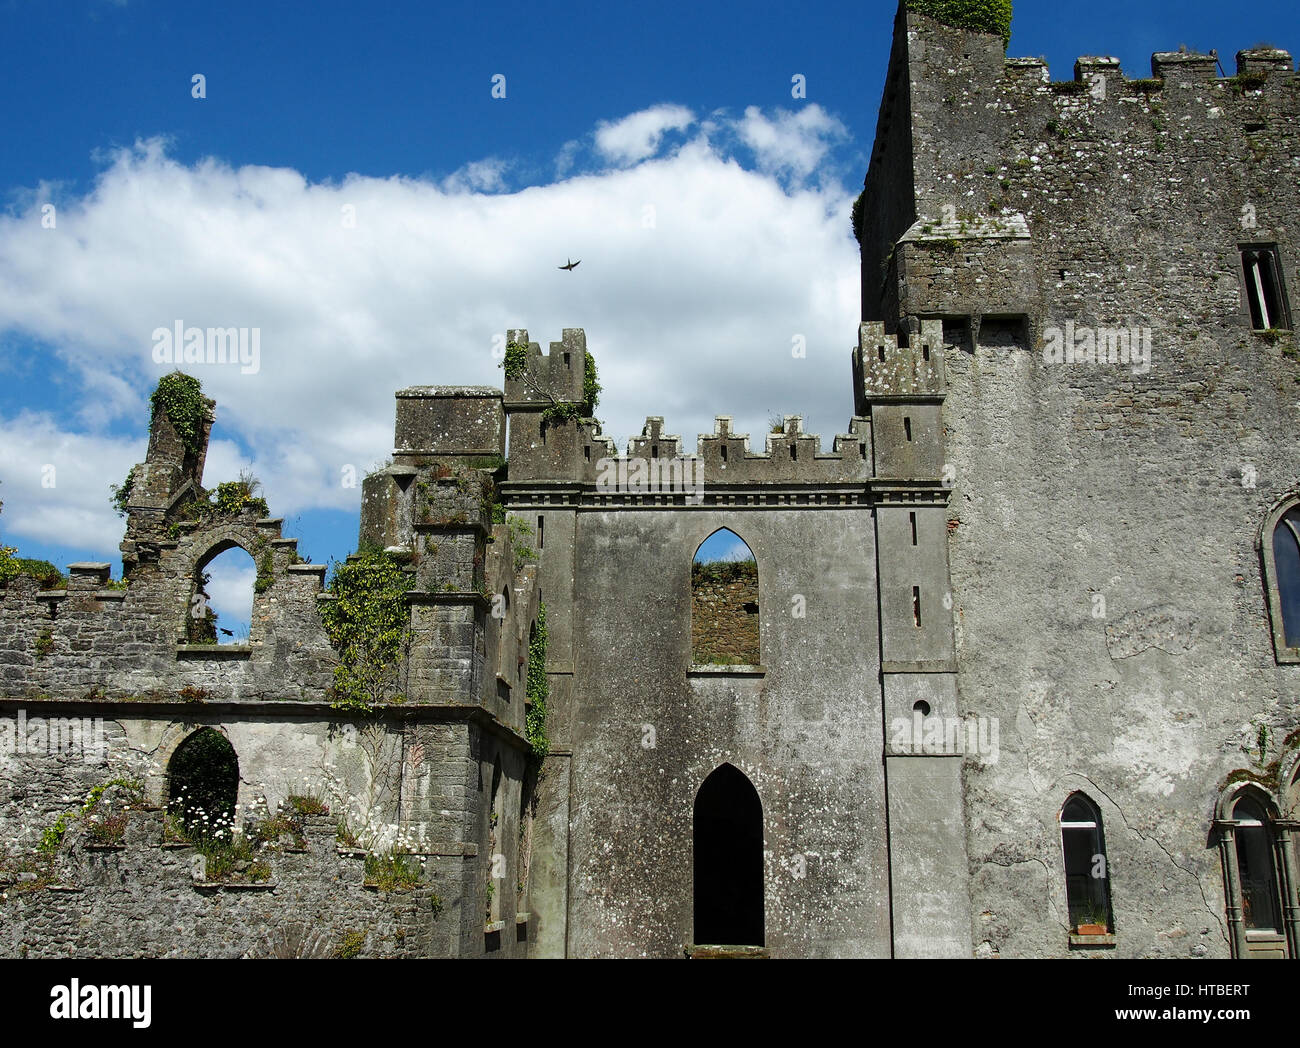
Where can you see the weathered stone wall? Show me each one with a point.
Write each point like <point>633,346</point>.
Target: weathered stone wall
<point>420,768</point>
<point>646,732</point>
<point>1111,615</point>
<point>146,898</point>
<point>724,616</point>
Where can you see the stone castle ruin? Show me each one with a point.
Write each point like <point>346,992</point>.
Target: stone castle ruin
<point>1012,671</point>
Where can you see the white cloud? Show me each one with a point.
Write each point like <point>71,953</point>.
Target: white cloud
<point>793,143</point>
<point>484,176</point>
<point>689,315</point>
<point>638,135</point>
<point>75,509</point>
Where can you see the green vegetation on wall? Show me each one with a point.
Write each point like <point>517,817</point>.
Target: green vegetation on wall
<point>182,397</point>
<point>368,624</point>
<point>538,688</point>
<point>980,16</point>
<point>515,366</point>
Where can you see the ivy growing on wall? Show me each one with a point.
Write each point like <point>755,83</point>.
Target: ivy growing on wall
<point>980,16</point>
<point>369,626</point>
<point>122,492</point>
<point>516,361</point>
<point>182,397</point>
<point>515,365</point>
<point>538,687</point>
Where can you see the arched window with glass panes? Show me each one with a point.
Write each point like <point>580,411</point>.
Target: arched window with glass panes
<point>1279,542</point>
<point>1259,874</point>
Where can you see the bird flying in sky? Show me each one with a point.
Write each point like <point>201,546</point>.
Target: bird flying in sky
<point>571,265</point>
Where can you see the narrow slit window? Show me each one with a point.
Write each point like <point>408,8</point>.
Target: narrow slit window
<point>1265,292</point>
<point>916,606</point>
<point>907,428</point>
<point>724,452</point>
<point>880,351</point>
<point>912,519</point>
<point>925,351</point>
<point>541,531</point>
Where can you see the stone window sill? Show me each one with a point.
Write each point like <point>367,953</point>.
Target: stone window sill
<point>700,953</point>
<point>215,652</point>
<point>1091,942</point>
<point>495,926</point>
<point>708,670</point>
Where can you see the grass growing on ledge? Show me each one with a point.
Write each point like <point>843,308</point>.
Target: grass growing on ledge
<point>979,16</point>
<point>393,871</point>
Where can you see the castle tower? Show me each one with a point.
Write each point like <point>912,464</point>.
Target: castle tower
<point>900,385</point>
<point>171,471</point>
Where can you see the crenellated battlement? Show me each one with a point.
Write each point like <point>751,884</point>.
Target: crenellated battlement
<point>546,378</point>
<point>890,367</point>
<point>992,186</point>
<point>723,457</point>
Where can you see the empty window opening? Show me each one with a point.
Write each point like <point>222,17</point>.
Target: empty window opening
<point>586,452</point>
<point>925,351</point>
<point>1003,333</point>
<point>728,861</point>
<point>880,351</point>
<point>724,452</point>
<point>724,602</point>
<point>1286,560</point>
<point>1087,880</point>
<point>495,882</point>
<point>794,453</point>
<point>912,519</point>
<point>957,333</point>
<point>916,606</point>
<point>203,786</point>
<point>220,609</point>
<point>527,812</point>
<point>1265,292</point>
<point>541,532</point>
<point>566,360</point>
<point>907,428</point>
<point>922,707</point>
<point>501,611</point>
<point>654,451</point>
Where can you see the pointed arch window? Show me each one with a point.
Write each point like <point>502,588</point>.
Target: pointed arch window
<point>728,860</point>
<point>1279,542</point>
<point>220,605</point>
<point>1087,874</point>
<point>724,602</point>
<point>203,786</point>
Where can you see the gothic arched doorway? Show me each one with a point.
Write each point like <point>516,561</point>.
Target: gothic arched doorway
<point>728,861</point>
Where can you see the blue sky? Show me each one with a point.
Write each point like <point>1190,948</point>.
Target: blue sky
<point>660,144</point>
